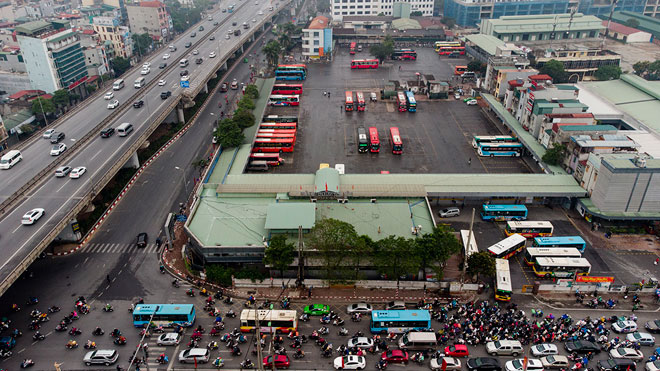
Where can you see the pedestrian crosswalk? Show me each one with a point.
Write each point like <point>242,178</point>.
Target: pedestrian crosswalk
<point>117,248</point>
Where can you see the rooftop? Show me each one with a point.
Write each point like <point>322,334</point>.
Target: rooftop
<point>619,28</point>
<point>151,4</point>
<point>367,18</point>
<point>31,28</point>
<point>319,22</point>
<point>406,24</point>
<point>487,43</point>
<point>646,23</point>
<point>544,23</point>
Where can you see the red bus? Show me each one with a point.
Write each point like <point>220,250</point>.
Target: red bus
<point>374,142</point>
<point>278,125</point>
<point>364,63</point>
<point>401,102</point>
<point>446,50</point>
<point>349,101</point>
<point>277,131</point>
<point>395,138</point>
<point>260,134</point>
<point>287,89</point>
<point>459,70</point>
<point>352,48</point>
<point>273,145</point>
<point>276,118</point>
<point>360,101</point>
<point>403,54</point>
<point>273,159</point>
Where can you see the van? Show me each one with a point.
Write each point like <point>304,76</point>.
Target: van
<point>183,63</point>
<point>124,129</point>
<point>139,82</point>
<point>504,348</point>
<point>10,159</point>
<point>237,32</point>
<point>421,341</point>
<point>172,48</point>
<point>449,212</point>
<point>258,166</point>
<point>467,74</point>
<point>118,84</point>
<point>617,364</point>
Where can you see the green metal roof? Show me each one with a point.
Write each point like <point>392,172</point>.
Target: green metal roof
<point>21,117</point>
<point>290,216</point>
<point>327,179</point>
<point>588,128</point>
<point>544,23</point>
<point>488,43</point>
<point>617,215</point>
<point>406,24</point>
<point>30,28</point>
<point>646,23</point>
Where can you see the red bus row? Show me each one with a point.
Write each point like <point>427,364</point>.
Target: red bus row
<point>349,105</point>
<point>371,142</point>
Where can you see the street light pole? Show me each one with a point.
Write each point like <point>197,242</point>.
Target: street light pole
<point>183,178</point>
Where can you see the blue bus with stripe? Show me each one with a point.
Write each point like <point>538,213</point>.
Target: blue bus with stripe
<point>503,212</point>
<point>487,149</point>
<point>563,241</point>
<point>399,321</point>
<point>166,315</point>
<point>410,100</point>
<point>295,75</point>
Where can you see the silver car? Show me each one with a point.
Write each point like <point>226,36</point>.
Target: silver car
<point>101,357</point>
<point>170,338</point>
<point>363,308</point>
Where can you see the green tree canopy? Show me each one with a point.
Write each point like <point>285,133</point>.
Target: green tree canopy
<point>252,91</point>
<point>449,22</point>
<point>554,155</point>
<point>120,65</point>
<point>606,73</point>
<point>393,258</point>
<point>47,104</point>
<point>141,43</point>
<point>383,50</point>
<point>477,67</point>
<point>243,118</point>
<point>554,69</point>
<point>334,240</point>
<point>61,97</point>
<point>279,254</point>
<point>641,68</point>
<point>228,133</point>
<point>246,103</point>
<point>272,52</point>
<point>481,263</point>
<point>285,42</point>
<point>434,248</point>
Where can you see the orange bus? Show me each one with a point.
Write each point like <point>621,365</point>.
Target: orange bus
<point>273,145</point>
<point>287,89</point>
<point>352,48</point>
<point>278,125</point>
<point>364,63</point>
<point>374,142</point>
<point>401,101</point>
<point>395,138</point>
<point>459,70</point>
<point>349,101</point>
<point>360,101</point>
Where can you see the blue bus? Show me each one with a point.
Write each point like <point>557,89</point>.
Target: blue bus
<point>166,315</point>
<point>503,212</point>
<point>399,321</point>
<point>499,149</point>
<point>412,103</point>
<point>289,75</point>
<point>564,241</point>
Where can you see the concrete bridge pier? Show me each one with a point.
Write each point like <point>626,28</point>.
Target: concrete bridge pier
<point>133,162</point>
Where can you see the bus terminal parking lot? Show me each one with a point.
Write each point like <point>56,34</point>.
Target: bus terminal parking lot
<point>437,138</point>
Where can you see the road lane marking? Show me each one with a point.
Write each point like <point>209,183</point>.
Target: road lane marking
<point>14,231</point>
<point>63,185</point>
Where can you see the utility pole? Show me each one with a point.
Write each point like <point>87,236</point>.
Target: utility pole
<point>609,20</point>
<point>301,263</point>
<point>467,247</point>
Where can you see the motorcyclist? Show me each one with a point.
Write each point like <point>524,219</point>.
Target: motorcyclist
<point>97,331</point>
<point>90,344</point>
<point>219,362</point>
<point>230,313</point>
<point>162,358</point>
<point>116,332</point>
<point>108,307</point>
<point>71,344</point>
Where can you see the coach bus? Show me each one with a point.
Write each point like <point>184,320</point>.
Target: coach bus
<point>374,142</point>
<point>363,140</point>
<point>401,101</point>
<point>503,212</point>
<point>166,315</point>
<point>411,102</point>
<point>404,54</point>
<point>277,136</point>
<point>277,131</point>
<point>278,125</point>
<point>477,139</point>
<point>352,48</point>
<point>349,101</point>
<point>273,158</point>
<point>364,63</point>
<point>270,320</point>
<point>397,143</point>
<point>273,145</point>
<point>360,101</point>
<point>399,321</point>
<point>503,289</point>
<point>459,70</point>
<point>441,44</point>
<point>455,50</point>
<point>508,247</point>
<point>284,100</point>
<point>289,75</point>
<point>563,241</point>
<point>287,89</point>
<point>561,267</point>
<point>529,229</point>
<point>276,118</point>
<point>531,253</point>
<point>500,149</point>
<point>293,67</point>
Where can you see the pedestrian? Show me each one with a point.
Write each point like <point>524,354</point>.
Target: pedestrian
<point>328,94</point>
<point>469,160</point>
<point>158,242</point>
<point>282,284</point>
<point>324,93</point>
<point>107,277</point>
<point>341,108</point>
<point>309,292</point>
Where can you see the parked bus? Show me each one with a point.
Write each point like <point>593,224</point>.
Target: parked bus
<point>349,101</point>
<point>278,125</point>
<point>399,321</point>
<point>447,50</point>
<point>276,135</point>
<point>166,315</point>
<point>563,241</point>
<point>397,143</point>
<point>529,229</point>
<point>404,54</point>
<point>477,139</point>
<point>411,102</point>
<point>276,118</point>
<point>360,101</point>
<point>459,70</point>
<point>508,247</point>
<point>503,212</point>
<point>561,267</point>
<point>268,157</point>
<point>364,63</point>
<point>363,140</point>
<point>289,75</point>
<point>273,145</point>
<point>503,289</point>
<point>500,149</point>
<point>287,89</point>
<point>352,48</point>
<point>293,67</point>
<point>440,44</point>
<point>284,100</point>
<point>276,131</point>
<point>531,253</point>
<point>270,320</point>
<point>374,142</point>
<point>401,101</point>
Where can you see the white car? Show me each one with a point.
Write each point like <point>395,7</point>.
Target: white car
<point>227,37</point>
<point>145,71</point>
<point>254,20</point>
<point>627,353</point>
<point>362,342</point>
<point>517,365</point>
<point>350,363</point>
<point>200,355</point>
<point>48,133</point>
<point>109,95</point>
<point>652,366</point>
<point>195,52</point>
<point>555,361</point>
<point>184,78</point>
<point>166,56</point>
<point>57,149</point>
<point>260,13</point>
<point>643,338</point>
<point>451,363</point>
<point>624,326</point>
<point>471,102</point>
<point>364,308</point>
<point>113,104</point>
<point>544,350</point>
<point>32,216</point>
<point>77,172</point>
<point>161,82</point>
<point>212,55</point>
<point>170,338</point>
<point>146,65</point>
<point>229,32</point>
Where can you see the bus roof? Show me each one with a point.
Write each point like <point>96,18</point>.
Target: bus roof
<point>528,224</point>
<point>284,96</point>
<point>562,262</point>
<point>559,240</point>
<point>503,277</point>
<point>553,252</point>
<point>508,144</point>
<point>408,314</point>
<point>163,308</point>
<point>506,243</point>
<point>504,207</point>
<point>267,314</point>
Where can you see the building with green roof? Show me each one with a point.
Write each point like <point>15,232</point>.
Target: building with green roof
<point>544,27</point>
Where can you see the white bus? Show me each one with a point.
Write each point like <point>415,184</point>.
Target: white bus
<point>118,84</point>
<point>470,248</point>
<point>508,247</point>
<point>492,139</point>
<point>503,289</point>
<point>561,267</point>
<point>275,321</point>
<point>529,228</point>
<point>531,253</point>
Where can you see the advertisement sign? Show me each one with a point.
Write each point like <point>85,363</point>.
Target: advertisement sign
<point>593,279</point>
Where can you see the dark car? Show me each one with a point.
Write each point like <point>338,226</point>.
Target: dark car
<point>165,94</point>
<point>201,28</point>
<point>216,23</point>
<point>212,37</point>
<point>107,132</point>
<point>142,240</point>
<point>224,87</point>
<point>237,32</point>
<point>617,364</point>
<point>653,326</point>
<point>581,347</point>
<point>138,104</point>
<point>7,342</point>
<point>188,44</point>
<point>162,65</point>
<point>56,137</point>
<point>193,34</point>
<point>184,73</point>
<point>199,60</point>
<point>483,364</point>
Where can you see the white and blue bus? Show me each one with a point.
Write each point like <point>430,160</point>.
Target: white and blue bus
<point>531,253</point>
<point>290,75</point>
<point>499,149</point>
<point>563,241</point>
<point>508,247</point>
<point>492,139</point>
<point>410,100</point>
<point>503,212</point>
<point>399,321</point>
<point>166,315</point>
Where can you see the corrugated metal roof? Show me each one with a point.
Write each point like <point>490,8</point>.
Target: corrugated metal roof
<point>290,215</point>
<point>488,43</point>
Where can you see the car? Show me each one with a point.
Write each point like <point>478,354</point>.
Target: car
<point>169,338</point>
<point>188,44</point>
<point>362,342</point>
<point>581,347</point>
<point>652,366</point>
<point>77,172</point>
<point>364,308</point>
<point>161,82</point>
<point>165,94</point>
<point>316,309</point>
<point>254,20</point>
<point>519,365</point>
<point>107,132</point>
<point>468,99</point>
<point>227,37</point>
<point>193,34</point>
<point>457,96</point>
<point>234,24</point>
<point>145,71</point>
<point>201,28</point>
<point>142,239</point>
<point>539,350</point>
<point>395,305</point>
<point>138,103</point>
<point>113,104</point>
<point>183,73</point>
<point>626,353</point>
<point>216,23</point>
<point>109,95</point>
<point>260,13</point>
<point>643,338</point>
<point>483,364</point>
<point>395,356</point>
<point>198,355</point>
<point>350,363</point>
<point>616,365</point>
<point>234,85</point>
<point>166,56</point>
<point>212,55</point>
<point>184,78</point>
<point>146,65</point>
<point>445,363</point>
<point>624,326</point>
<point>471,103</point>
<point>47,134</point>
<point>653,326</point>
<point>449,212</point>
<point>230,31</point>
<point>224,11</point>
<point>279,360</point>
<point>223,87</point>
<point>199,60</point>
<point>57,149</point>
<point>195,52</point>
<point>212,37</point>
<point>101,357</point>
<point>56,137</point>
<point>162,65</point>
<point>62,171</point>
<point>457,350</point>
<point>555,361</point>
<point>32,216</point>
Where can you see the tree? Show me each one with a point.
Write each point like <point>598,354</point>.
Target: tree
<point>61,97</point>
<point>47,104</point>
<point>481,263</point>
<point>279,254</point>
<point>632,22</point>
<point>243,118</point>
<point>364,248</point>
<point>333,240</point>
<point>285,42</point>
<point>91,89</point>
<point>474,66</point>
<point>383,50</point>
<point>554,155</point>
<point>641,68</point>
<point>272,52</point>
<point>554,69</point>
<point>141,43</point>
<point>252,91</point>
<point>416,13</point>
<point>229,134</point>
<point>606,73</point>
<point>289,28</point>
<point>393,258</point>
<point>120,65</point>
<point>433,249</point>
<point>449,22</point>
<point>246,103</point>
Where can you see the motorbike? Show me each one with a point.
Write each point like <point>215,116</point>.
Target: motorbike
<point>381,365</point>
<point>71,344</point>
<point>119,341</point>
<point>228,300</point>
<point>203,292</point>
<point>213,345</point>
<point>230,314</point>
<point>33,300</point>
<point>159,330</point>
<point>37,336</point>
<point>190,293</point>
<point>108,309</point>
<point>27,363</point>
<point>90,345</point>
<point>247,364</point>
<point>356,317</point>
<point>323,331</point>
<point>5,353</point>
<point>60,327</point>
<point>97,331</point>
<point>338,322</point>
<point>175,283</point>
<point>304,317</point>
<point>162,360</point>
<point>54,309</point>
<point>16,333</point>
<point>75,331</point>
<point>236,351</point>
<point>343,331</point>
<point>218,363</point>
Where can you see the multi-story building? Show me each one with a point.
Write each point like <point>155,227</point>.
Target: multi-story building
<point>96,60</point>
<point>150,17</point>
<point>581,146</point>
<point>579,64</point>
<point>317,39</point>
<point>111,32</point>
<point>530,28</point>
<point>118,4</point>
<point>53,56</point>
<point>397,8</point>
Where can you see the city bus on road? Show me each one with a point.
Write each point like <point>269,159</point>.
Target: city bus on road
<point>166,315</point>
<point>364,63</point>
<point>404,54</point>
<point>529,229</point>
<point>276,118</point>
<point>459,70</point>
<point>278,125</point>
<point>287,89</point>
<point>284,100</point>
<point>374,142</point>
<point>270,320</point>
<point>440,44</point>
<point>508,247</point>
<point>401,101</point>
<point>411,102</point>
<point>561,267</point>
<point>500,149</point>
<point>397,143</point>
<point>563,241</point>
<point>477,139</point>
<point>503,289</point>
<point>360,101</point>
<point>531,253</point>
<point>399,321</point>
<point>273,145</point>
<point>349,101</point>
<point>503,212</point>
<point>352,48</point>
<point>273,159</point>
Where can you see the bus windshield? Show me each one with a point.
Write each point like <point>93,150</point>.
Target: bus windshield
<point>503,289</point>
